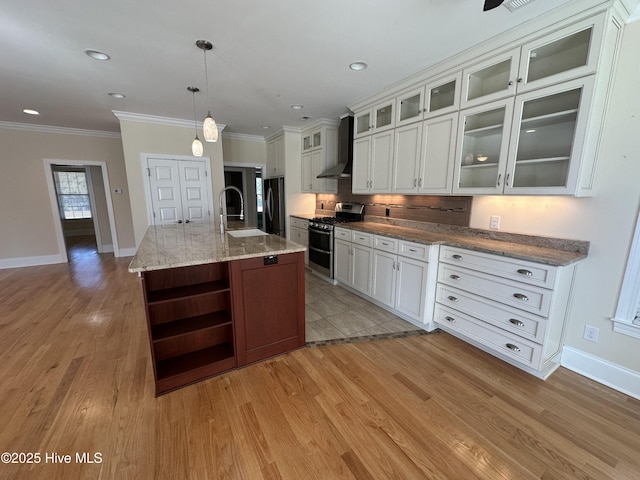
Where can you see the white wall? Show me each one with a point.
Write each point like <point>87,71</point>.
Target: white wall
<point>606,220</point>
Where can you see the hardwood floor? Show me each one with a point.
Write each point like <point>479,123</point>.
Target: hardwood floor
<point>76,377</point>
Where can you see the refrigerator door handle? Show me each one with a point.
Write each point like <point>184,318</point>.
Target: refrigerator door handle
<point>270,204</point>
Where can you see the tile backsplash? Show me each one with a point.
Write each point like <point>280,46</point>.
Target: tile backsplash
<point>446,210</point>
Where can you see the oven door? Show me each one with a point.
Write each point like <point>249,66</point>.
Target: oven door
<point>321,251</point>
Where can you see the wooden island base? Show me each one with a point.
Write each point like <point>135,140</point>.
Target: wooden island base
<point>207,319</point>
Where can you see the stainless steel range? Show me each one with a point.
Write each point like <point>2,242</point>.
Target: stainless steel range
<point>321,236</point>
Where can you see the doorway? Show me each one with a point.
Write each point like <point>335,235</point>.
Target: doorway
<point>83,213</point>
<point>249,181</point>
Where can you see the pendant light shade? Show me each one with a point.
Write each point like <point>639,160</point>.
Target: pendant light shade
<point>209,126</point>
<point>210,129</point>
<point>196,145</point>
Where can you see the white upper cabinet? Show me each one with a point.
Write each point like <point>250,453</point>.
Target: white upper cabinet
<point>559,56</point>
<point>372,158</point>
<point>437,97</point>
<point>547,138</point>
<point>569,53</point>
<point>483,143</point>
<point>375,119</point>
<point>319,152</point>
<point>275,157</point>
<point>490,80</point>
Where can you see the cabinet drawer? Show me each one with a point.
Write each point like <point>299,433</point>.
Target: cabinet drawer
<point>365,239</point>
<point>510,319</point>
<point>413,250</point>
<point>385,244</point>
<point>342,234</point>
<point>504,343</point>
<point>520,270</point>
<point>519,295</point>
<point>299,222</point>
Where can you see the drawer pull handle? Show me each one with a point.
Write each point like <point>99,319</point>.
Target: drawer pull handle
<point>450,319</point>
<point>452,298</point>
<point>454,277</point>
<point>512,347</point>
<point>522,297</point>
<point>528,273</point>
<point>413,250</point>
<point>385,243</point>
<point>456,257</point>
<point>516,322</point>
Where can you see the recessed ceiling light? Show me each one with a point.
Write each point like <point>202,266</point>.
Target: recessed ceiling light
<point>97,54</point>
<point>30,111</point>
<point>297,106</point>
<point>357,66</point>
<point>117,95</point>
<point>266,127</point>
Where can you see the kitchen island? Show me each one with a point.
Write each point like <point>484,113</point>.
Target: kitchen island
<point>217,301</point>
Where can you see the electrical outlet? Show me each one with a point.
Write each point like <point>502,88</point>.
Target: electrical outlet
<point>591,333</point>
<point>494,223</point>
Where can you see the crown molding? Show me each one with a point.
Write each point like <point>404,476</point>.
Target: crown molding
<point>58,130</point>
<point>157,120</point>
<point>243,136</point>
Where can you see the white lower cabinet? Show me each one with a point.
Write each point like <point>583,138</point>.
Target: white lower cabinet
<point>513,309</point>
<point>353,259</point>
<point>393,273</point>
<point>299,233</point>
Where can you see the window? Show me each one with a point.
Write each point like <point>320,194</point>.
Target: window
<point>627,319</point>
<point>259,193</point>
<point>73,194</point>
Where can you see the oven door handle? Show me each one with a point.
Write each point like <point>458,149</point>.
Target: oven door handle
<point>321,251</point>
<point>321,232</point>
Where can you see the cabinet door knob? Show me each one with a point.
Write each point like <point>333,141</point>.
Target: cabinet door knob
<point>457,257</point>
<point>179,221</point>
<point>499,178</point>
<point>506,180</point>
<point>512,347</point>
<point>525,272</point>
<point>454,277</point>
<point>520,80</point>
<point>415,182</point>
<point>516,322</point>
<point>510,82</point>
<point>187,221</point>
<point>522,297</point>
<point>452,299</point>
<point>450,319</point>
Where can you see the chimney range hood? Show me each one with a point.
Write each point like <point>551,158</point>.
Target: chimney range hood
<point>345,151</point>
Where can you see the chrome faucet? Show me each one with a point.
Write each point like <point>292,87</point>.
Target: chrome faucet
<point>230,187</point>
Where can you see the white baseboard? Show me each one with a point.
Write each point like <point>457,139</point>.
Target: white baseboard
<point>602,371</point>
<point>126,252</point>
<point>30,261</point>
<point>106,249</point>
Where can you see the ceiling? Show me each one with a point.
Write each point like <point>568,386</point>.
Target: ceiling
<point>266,57</point>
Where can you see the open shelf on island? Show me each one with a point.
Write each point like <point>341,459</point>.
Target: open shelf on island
<point>185,326</point>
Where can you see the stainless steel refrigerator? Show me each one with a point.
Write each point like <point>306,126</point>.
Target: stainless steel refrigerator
<point>274,206</point>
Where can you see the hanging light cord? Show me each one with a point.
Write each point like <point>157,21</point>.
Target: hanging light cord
<point>195,121</point>
<point>206,78</point>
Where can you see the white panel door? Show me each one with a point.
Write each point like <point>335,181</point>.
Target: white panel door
<point>193,186</point>
<point>180,191</point>
<point>166,198</point>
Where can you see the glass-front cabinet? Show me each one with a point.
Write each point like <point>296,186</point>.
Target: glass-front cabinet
<point>376,119</point>
<point>311,140</point>
<point>483,142</point>
<point>547,138</point>
<point>560,56</point>
<point>438,97</point>
<point>568,53</point>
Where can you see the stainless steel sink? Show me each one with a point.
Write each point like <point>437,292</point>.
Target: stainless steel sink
<point>249,232</point>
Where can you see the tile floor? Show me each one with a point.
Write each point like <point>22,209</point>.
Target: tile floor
<point>335,314</point>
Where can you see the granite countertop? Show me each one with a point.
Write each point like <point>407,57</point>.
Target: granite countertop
<point>304,216</point>
<point>546,250</point>
<point>170,246</point>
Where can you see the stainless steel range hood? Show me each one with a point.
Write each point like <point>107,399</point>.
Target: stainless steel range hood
<point>345,151</point>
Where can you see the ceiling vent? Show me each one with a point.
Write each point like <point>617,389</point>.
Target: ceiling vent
<point>513,5</point>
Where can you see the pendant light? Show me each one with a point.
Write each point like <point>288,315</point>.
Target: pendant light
<point>209,127</point>
<point>196,146</point>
